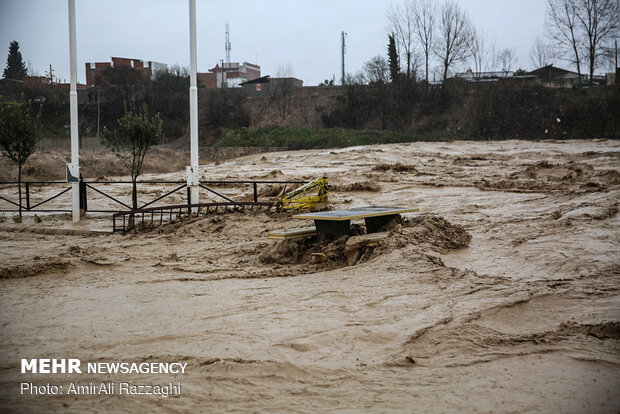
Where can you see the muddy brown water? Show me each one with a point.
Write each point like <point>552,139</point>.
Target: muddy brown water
<point>524,319</point>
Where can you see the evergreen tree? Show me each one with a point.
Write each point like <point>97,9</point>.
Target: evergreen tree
<point>15,66</point>
<point>393,59</point>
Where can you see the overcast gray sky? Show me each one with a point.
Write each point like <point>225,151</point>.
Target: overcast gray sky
<point>304,34</point>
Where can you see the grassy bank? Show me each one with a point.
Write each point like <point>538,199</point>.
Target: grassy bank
<point>306,138</point>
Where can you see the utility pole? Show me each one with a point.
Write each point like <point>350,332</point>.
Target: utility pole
<point>193,181</point>
<point>51,74</point>
<point>73,169</point>
<point>344,50</point>
<point>98,111</point>
<point>223,74</point>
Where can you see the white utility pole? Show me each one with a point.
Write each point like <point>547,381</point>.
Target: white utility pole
<point>73,169</point>
<point>192,171</point>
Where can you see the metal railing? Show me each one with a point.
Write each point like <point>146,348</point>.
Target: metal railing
<point>27,196</point>
<point>126,220</point>
<point>125,210</point>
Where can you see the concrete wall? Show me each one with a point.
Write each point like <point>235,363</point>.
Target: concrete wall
<point>299,107</point>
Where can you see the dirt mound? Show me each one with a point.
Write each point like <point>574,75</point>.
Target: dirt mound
<point>360,247</point>
<point>438,231</point>
<point>304,251</point>
<point>50,165</point>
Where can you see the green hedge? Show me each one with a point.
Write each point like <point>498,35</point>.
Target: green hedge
<point>305,138</point>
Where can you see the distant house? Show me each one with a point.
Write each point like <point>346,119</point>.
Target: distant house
<point>36,82</point>
<point>42,82</point>
<point>471,76</point>
<point>266,85</point>
<point>95,70</point>
<point>229,75</point>
<point>552,77</point>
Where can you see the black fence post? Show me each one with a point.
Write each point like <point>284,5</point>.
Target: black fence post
<point>255,192</point>
<point>83,200</point>
<point>27,195</point>
<point>189,200</point>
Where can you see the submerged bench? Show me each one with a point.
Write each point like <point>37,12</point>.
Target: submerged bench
<point>338,222</point>
<point>292,234</point>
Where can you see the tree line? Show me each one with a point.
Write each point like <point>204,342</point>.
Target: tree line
<point>394,91</point>
<point>434,38</point>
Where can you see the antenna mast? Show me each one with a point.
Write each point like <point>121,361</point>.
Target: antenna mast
<point>227,44</point>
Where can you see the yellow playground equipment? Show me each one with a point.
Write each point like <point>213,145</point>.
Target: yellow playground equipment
<point>299,198</point>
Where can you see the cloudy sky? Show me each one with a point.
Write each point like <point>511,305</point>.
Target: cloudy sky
<point>302,34</point>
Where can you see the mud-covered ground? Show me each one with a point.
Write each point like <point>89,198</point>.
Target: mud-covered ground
<point>501,295</point>
<point>49,165</point>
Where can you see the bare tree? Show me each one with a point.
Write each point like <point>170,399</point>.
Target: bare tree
<point>541,54</point>
<point>402,24</point>
<point>599,23</point>
<point>376,73</point>
<point>562,25</point>
<point>609,56</point>
<point>282,90</point>
<point>285,71</point>
<point>425,18</point>
<point>454,36</point>
<point>478,48</point>
<point>492,64</point>
<point>377,70</point>
<point>506,59</point>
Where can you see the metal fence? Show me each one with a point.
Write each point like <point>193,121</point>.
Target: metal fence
<point>37,197</point>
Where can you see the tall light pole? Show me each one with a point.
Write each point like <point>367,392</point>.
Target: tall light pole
<point>344,50</point>
<point>192,171</point>
<point>73,169</point>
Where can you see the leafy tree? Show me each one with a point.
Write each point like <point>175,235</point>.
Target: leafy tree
<point>223,107</point>
<point>167,94</point>
<point>393,59</point>
<point>19,130</point>
<point>138,131</point>
<point>15,66</point>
